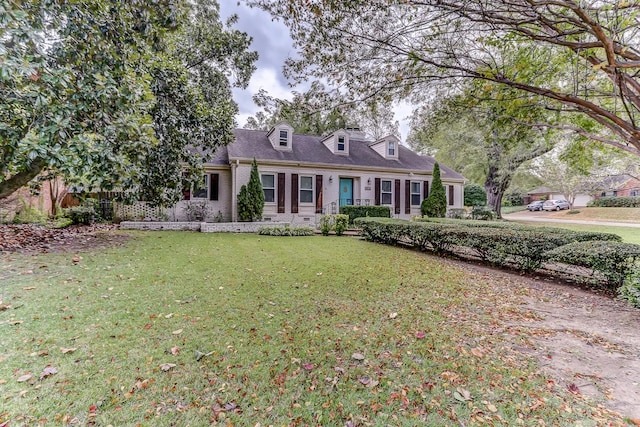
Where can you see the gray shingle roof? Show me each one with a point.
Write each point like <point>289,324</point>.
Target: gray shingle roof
<point>309,149</point>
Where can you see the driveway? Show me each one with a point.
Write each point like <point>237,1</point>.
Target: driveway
<point>542,216</point>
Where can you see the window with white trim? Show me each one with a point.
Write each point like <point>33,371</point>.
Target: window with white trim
<point>416,196</point>
<point>269,187</point>
<point>341,143</point>
<point>306,189</point>
<point>284,138</point>
<point>385,192</point>
<point>392,148</point>
<point>201,190</point>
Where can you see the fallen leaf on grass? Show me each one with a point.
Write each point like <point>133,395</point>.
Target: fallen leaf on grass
<point>148,326</point>
<point>15,322</point>
<point>25,377</point>
<point>167,366</point>
<point>573,388</point>
<point>29,288</point>
<point>175,350</point>
<point>67,350</point>
<point>177,332</point>
<point>477,351</point>
<point>420,335</point>
<point>462,395</point>
<point>357,356</point>
<point>47,372</point>
<point>393,315</point>
<point>308,366</point>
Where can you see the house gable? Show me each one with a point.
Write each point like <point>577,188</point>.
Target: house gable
<point>338,142</point>
<point>387,147</point>
<point>281,137</point>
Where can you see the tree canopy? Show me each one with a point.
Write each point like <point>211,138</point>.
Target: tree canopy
<point>319,111</point>
<point>109,93</point>
<point>586,51</point>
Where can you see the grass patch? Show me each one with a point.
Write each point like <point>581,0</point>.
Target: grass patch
<point>628,234</point>
<point>306,331</point>
<point>599,214</point>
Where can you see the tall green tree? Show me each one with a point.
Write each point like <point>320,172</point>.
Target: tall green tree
<point>251,197</point>
<point>93,91</point>
<point>435,205</point>
<point>320,112</point>
<point>581,58</point>
<point>490,138</point>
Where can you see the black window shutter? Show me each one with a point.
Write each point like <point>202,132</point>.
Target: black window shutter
<point>425,190</point>
<point>281,190</point>
<point>407,196</point>
<point>451,195</point>
<point>294,193</point>
<point>318,193</point>
<point>397,197</point>
<point>214,182</point>
<point>376,188</point>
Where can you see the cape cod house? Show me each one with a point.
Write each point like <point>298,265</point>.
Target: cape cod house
<point>306,176</point>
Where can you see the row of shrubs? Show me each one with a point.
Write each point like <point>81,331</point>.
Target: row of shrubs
<point>615,202</point>
<point>285,230</point>
<point>505,244</point>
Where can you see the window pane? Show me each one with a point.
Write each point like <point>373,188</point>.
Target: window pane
<point>415,187</point>
<point>269,195</point>
<point>415,199</point>
<point>306,196</point>
<point>386,186</point>
<point>268,181</point>
<point>283,137</point>
<point>200,191</point>
<point>306,183</point>
<point>386,198</point>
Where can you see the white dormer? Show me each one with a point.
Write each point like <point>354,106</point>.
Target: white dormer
<point>338,142</point>
<point>281,137</point>
<point>388,147</point>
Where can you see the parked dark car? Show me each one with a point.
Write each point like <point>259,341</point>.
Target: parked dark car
<point>555,205</point>
<point>535,206</point>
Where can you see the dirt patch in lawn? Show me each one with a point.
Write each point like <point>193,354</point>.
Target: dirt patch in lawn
<point>29,238</point>
<point>588,343</point>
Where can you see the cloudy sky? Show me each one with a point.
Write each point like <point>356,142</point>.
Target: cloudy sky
<point>271,40</point>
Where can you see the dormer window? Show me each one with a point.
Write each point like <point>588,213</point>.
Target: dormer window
<point>387,147</point>
<point>337,142</point>
<point>284,138</point>
<point>341,144</point>
<point>281,137</point>
<point>392,148</point>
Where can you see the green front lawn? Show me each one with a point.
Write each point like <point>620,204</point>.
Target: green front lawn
<point>301,331</point>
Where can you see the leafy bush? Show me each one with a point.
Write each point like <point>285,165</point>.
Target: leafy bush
<point>29,215</point>
<point>326,224</point>
<point>483,213</point>
<point>382,230</point>
<point>615,202</point>
<point>630,290</point>
<point>196,210</point>
<point>341,222</point>
<point>615,260</point>
<point>456,213</point>
<point>474,195</point>
<point>285,230</point>
<point>81,214</point>
<point>365,211</point>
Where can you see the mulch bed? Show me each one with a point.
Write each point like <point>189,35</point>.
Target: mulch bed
<point>31,238</point>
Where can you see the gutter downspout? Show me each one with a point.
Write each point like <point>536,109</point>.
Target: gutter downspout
<point>234,192</point>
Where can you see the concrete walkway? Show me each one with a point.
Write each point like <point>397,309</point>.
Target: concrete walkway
<point>531,217</point>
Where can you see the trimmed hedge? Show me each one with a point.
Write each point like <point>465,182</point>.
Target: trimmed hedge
<point>501,244</point>
<point>615,260</point>
<point>615,202</point>
<point>365,211</point>
<point>283,230</point>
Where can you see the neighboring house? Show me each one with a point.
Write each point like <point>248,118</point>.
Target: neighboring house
<point>623,185</point>
<point>546,193</point>
<point>305,176</point>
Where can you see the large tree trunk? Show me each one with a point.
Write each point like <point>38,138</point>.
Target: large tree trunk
<point>19,180</point>
<point>495,185</point>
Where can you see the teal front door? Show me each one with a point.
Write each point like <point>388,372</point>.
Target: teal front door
<point>346,191</point>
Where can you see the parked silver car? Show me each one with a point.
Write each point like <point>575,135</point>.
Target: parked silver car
<point>535,206</point>
<point>555,205</point>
